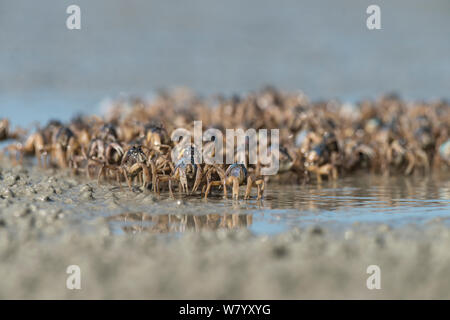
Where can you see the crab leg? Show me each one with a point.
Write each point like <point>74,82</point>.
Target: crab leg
<point>198,179</point>
<point>235,187</point>
<point>209,185</point>
<point>261,185</point>
<point>249,188</point>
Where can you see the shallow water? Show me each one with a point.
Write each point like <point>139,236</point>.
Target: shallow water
<point>320,47</point>
<point>80,205</point>
<point>50,220</point>
<point>393,201</point>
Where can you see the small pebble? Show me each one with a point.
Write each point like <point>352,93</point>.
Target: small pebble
<point>7,193</point>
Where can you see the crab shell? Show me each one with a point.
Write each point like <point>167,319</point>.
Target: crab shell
<point>134,155</point>
<point>237,170</point>
<point>63,136</point>
<point>4,129</point>
<point>444,151</point>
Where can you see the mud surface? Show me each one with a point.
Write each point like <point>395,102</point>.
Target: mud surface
<point>50,220</point>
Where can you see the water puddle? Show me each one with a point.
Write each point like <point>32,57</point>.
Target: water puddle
<point>360,199</point>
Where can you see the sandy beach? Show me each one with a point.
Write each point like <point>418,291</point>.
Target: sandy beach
<point>42,233</point>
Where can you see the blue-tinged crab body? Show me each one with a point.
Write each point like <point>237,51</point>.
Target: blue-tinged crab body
<point>444,151</point>
<point>318,154</point>
<point>108,133</point>
<point>285,160</point>
<point>63,136</point>
<point>424,136</point>
<point>237,170</point>
<point>134,155</point>
<point>187,172</point>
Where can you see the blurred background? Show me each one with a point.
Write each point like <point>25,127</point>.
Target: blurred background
<point>138,46</point>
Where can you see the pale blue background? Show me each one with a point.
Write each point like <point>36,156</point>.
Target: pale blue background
<point>137,46</point>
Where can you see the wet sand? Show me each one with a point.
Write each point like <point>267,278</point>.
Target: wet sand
<point>50,220</point>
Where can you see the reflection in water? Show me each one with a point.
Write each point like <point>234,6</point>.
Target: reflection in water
<point>365,191</point>
<point>361,198</point>
<point>170,223</point>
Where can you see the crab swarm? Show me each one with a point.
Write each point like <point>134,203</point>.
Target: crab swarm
<point>317,140</point>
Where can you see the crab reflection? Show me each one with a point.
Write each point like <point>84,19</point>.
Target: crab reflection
<point>133,222</point>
